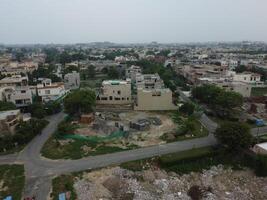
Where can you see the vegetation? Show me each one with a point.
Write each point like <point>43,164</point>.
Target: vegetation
<point>7,106</point>
<point>234,136</point>
<point>171,80</point>
<point>224,103</point>
<point>25,132</point>
<point>74,149</point>
<point>43,72</point>
<point>61,184</point>
<point>40,110</point>
<point>113,73</point>
<point>187,108</point>
<point>258,92</point>
<point>79,101</point>
<point>12,181</point>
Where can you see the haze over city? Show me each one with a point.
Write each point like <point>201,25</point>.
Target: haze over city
<point>138,21</point>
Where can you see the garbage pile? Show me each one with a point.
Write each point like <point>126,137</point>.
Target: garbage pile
<point>156,184</point>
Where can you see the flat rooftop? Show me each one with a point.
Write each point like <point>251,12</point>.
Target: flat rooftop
<point>263,145</point>
<point>5,114</point>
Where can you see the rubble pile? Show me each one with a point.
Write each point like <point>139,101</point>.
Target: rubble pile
<point>154,184</point>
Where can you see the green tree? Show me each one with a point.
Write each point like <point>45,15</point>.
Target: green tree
<point>91,71</point>
<point>113,73</point>
<point>37,110</point>
<point>7,106</point>
<point>234,135</point>
<point>187,108</point>
<point>79,101</point>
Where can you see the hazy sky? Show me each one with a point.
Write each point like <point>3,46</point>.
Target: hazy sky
<point>72,21</point>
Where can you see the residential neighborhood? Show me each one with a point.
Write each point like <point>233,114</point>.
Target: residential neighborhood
<point>125,100</point>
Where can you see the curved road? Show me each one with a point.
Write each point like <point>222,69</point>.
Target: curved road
<point>40,171</point>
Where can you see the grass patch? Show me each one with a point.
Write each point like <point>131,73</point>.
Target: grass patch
<point>54,150</point>
<point>61,184</point>
<point>198,132</point>
<point>194,160</point>
<point>12,181</point>
<point>258,92</point>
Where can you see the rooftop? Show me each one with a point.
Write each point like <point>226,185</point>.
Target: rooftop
<point>5,114</point>
<point>263,145</point>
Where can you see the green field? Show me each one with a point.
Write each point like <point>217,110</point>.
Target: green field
<point>11,181</point>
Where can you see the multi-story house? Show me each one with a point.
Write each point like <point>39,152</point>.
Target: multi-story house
<point>115,92</point>
<point>72,80</point>
<point>9,120</point>
<point>49,91</point>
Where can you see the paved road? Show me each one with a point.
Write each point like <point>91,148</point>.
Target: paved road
<point>40,171</point>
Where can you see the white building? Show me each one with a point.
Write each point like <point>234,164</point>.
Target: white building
<point>20,96</point>
<point>16,80</point>
<point>149,81</point>
<point>115,92</point>
<point>49,91</point>
<point>72,80</point>
<point>248,77</point>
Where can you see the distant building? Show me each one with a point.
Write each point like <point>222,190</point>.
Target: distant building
<point>132,72</point>
<point>248,77</point>
<point>149,81</point>
<point>72,80</point>
<point>115,92</point>
<point>9,120</point>
<point>17,80</point>
<point>49,91</point>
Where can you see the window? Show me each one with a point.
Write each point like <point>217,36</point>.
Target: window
<point>119,92</point>
<point>104,98</point>
<point>23,91</point>
<point>47,91</point>
<point>111,98</point>
<point>127,98</point>
<point>123,98</point>
<point>19,101</point>
<point>117,99</point>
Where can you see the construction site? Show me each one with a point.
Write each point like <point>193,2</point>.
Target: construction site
<point>137,128</point>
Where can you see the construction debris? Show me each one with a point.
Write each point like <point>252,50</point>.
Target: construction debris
<point>155,184</point>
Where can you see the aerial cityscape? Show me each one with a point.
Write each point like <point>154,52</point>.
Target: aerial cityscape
<point>133,100</point>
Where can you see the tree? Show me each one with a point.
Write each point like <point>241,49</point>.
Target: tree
<point>7,106</point>
<point>113,73</point>
<point>187,108</point>
<point>37,110</point>
<point>91,71</point>
<point>79,101</point>
<point>234,135</point>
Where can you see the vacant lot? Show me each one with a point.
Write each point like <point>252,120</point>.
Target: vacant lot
<point>111,132</point>
<point>11,181</point>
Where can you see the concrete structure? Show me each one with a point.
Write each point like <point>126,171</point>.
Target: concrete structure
<point>260,148</point>
<point>154,99</point>
<point>20,96</point>
<point>149,81</point>
<point>72,80</point>
<point>115,92</point>
<point>132,72</point>
<point>49,91</point>
<point>248,77</point>
<point>17,80</point>
<point>9,120</point>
